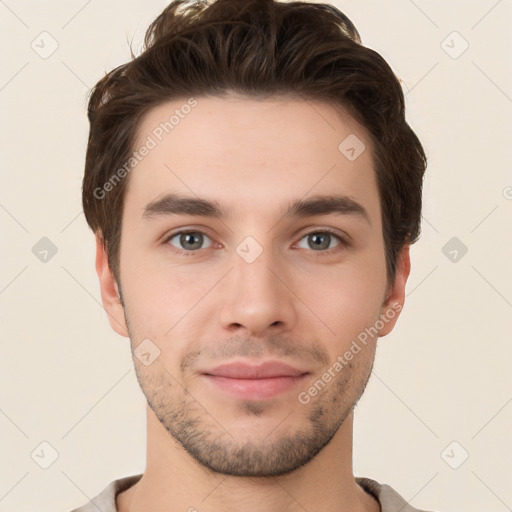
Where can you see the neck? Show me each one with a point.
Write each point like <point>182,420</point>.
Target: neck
<point>174,481</point>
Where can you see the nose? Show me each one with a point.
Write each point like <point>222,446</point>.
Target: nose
<point>257,298</point>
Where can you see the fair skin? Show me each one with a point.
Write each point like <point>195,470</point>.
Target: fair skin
<point>302,301</point>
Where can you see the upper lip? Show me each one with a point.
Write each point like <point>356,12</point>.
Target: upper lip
<point>262,371</point>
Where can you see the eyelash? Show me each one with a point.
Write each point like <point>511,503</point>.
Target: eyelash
<point>343,242</point>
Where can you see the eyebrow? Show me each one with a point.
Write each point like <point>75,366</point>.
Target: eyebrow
<point>176,204</point>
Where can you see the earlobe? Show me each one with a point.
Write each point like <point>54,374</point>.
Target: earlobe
<point>110,295</point>
<point>396,295</point>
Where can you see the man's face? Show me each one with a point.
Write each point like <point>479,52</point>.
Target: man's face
<point>259,283</point>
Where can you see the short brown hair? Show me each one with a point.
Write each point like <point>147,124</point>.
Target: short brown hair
<point>256,48</point>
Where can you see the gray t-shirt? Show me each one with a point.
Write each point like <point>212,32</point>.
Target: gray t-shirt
<point>389,499</point>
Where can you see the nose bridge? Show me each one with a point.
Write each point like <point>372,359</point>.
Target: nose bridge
<point>254,297</point>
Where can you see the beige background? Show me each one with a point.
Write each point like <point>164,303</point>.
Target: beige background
<point>443,375</point>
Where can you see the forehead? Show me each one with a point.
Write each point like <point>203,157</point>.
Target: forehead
<point>250,154</point>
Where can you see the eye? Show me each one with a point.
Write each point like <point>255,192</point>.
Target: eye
<point>320,241</point>
<point>189,240</point>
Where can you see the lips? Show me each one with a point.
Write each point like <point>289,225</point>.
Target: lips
<point>250,382</point>
<point>266,370</point>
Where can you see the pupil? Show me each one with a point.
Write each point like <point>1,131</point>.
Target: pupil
<point>320,241</point>
<point>191,239</point>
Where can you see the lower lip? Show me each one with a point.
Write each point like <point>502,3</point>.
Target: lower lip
<point>255,389</point>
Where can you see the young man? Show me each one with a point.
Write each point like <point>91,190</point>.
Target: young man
<point>254,189</point>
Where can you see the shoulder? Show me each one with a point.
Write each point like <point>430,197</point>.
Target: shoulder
<point>106,499</point>
<point>389,499</point>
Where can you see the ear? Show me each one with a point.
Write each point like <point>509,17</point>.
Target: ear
<point>395,300</point>
<point>109,290</point>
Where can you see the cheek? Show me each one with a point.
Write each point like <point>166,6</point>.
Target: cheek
<point>161,301</point>
<point>347,301</point>
<point>146,303</point>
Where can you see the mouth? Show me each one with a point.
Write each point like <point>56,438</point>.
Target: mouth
<point>251,382</point>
